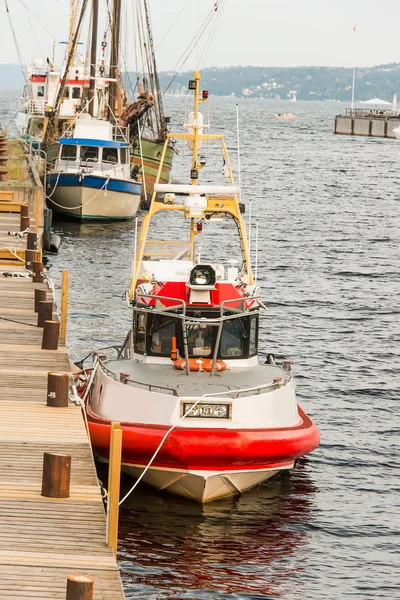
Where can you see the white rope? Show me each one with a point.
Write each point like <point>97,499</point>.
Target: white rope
<point>93,373</point>
<point>159,448</point>
<point>55,187</point>
<point>85,203</point>
<point>15,254</point>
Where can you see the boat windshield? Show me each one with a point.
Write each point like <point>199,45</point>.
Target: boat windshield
<point>238,337</point>
<point>89,153</point>
<point>68,152</point>
<point>110,155</point>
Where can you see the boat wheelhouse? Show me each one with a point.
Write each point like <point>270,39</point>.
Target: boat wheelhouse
<point>205,412</point>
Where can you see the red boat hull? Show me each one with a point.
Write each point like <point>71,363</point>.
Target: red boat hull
<point>207,449</point>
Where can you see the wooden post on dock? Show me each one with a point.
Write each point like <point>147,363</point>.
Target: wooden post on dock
<point>114,479</point>
<point>79,587</point>
<point>32,240</point>
<point>40,296</point>
<point>38,206</point>
<point>51,332</point>
<point>57,389</point>
<point>30,256</point>
<point>45,312</point>
<point>37,267</point>
<point>64,305</point>
<point>56,475</point>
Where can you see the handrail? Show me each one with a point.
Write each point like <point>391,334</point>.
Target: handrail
<point>239,392</point>
<point>234,393</point>
<point>213,320</point>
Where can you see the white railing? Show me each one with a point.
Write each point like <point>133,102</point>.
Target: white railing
<point>34,107</point>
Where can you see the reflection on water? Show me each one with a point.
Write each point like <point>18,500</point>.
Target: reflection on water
<point>250,546</point>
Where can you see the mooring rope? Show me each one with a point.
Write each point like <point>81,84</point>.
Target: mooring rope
<point>84,203</point>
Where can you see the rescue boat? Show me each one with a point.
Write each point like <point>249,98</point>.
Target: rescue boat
<point>206,411</point>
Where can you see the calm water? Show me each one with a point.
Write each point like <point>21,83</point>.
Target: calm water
<point>329,233</point>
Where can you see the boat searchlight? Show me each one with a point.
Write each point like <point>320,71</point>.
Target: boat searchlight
<point>202,276</point>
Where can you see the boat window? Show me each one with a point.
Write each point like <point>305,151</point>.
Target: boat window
<point>253,346</point>
<point>68,152</point>
<point>89,153</point>
<point>162,331</point>
<point>66,93</point>
<point>200,340</point>
<point>110,155</point>
<point>232,338</point>
<point>140,344</point>
<point>40,91</point>
<point>124,155</point>
<point>76,92</point>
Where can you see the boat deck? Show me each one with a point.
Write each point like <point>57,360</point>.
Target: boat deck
<point>42,540</point>
<point>166,376</point>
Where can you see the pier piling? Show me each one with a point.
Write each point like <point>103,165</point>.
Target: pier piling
<point>56,477</point>
<point>79,587</point>
<point>57,389</point>
<point>45,312</point>
<point>51,332</point>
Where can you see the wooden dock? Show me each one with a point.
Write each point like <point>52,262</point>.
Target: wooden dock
<point>42,540</point>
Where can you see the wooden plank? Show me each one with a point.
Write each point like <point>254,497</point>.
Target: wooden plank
<point>6,196</point>
<point>12,207</point>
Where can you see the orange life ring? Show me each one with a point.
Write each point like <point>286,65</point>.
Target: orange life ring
<point>199,364</point>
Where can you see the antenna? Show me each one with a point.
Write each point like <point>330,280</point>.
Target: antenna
<point>250,230</point>
<point>256,261</point>
<point>238,149</point>
<point>134,251</point>
<point>197,37</point>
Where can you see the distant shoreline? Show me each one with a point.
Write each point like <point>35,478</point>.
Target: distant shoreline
<point>273,83</point>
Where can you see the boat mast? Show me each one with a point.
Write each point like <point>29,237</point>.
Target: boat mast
<point>114,58</point>
<point>161,125</point>
<point>72,25</point>
<point>93,55</point>
<point>51,117</point>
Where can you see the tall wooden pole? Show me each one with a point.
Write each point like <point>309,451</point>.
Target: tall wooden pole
<point>64,305</point>
<point>114,478</point>
<point>161,125</point>
<point>114,58</point>
<point>93,55</point>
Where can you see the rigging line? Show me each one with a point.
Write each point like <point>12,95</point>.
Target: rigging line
<point>140,39</point>
<point>211,36</point>
<point>150,72</point>
<point>32,30</point>
<point>134,37</point>
<point>191,45</point>
<point>172,24</point>
<point>202,29</point>
<point>20,58</point>
<point>52,33</point>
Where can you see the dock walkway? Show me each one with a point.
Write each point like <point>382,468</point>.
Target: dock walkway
<point>42,540</point>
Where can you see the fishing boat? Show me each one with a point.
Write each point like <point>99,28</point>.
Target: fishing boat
<point>202,415</point>
<point>65,91</point>
<point>92,176</point>
<point>285,116</point>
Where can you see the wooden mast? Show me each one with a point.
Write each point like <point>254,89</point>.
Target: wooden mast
<point>93,55</point>
<point>51,118</point>
<point>161,125</point>
<point>114,58</point>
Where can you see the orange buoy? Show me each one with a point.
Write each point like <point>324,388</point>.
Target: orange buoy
<point>200,364</point>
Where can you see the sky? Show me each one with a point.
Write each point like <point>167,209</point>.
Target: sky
<point>249,32</point>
